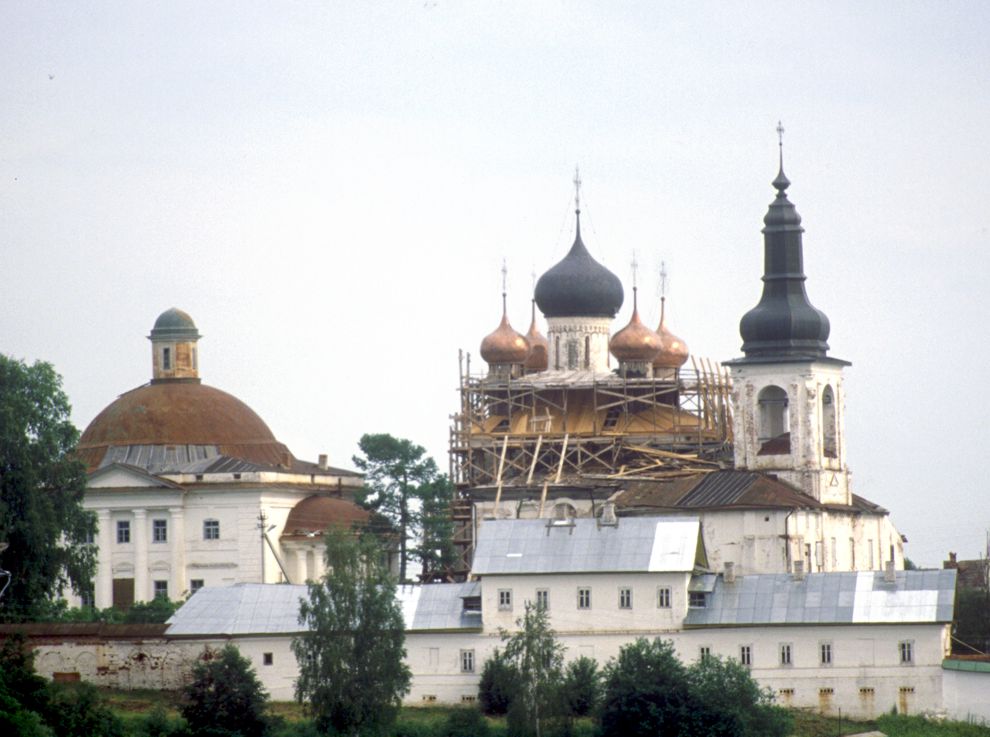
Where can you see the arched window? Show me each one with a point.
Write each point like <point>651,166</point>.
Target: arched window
<point>774,422</point>
<point>572,354</point>
<point>830,445</point>
<point>556,352</point>
<point>587,351</point>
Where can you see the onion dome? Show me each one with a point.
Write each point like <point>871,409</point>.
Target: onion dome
<point>635,342</point>
<point>539,348</point>
<point>174,324</point>
<point>784,324</point>
<point>504,345</point>
<point>579,286</point>
<point>673,350</point>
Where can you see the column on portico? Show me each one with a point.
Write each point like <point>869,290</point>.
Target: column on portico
<point>177,535</point>
<point>104,556</point>
<point>139,538</point>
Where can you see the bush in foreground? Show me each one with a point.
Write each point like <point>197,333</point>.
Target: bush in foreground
<point>225,697</point>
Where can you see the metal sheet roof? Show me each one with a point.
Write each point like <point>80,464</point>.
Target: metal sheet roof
<point>252,608</point>
<point>644,544</point>
<point>862,597</point>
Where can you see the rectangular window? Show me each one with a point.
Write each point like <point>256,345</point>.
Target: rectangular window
<point>166,358</point>
<point>825,650</point>
<point>584,598</point>
<point>211,529</point>
<point>785,653</point>
<point>90,537</point>
<point>906,650</point>
<point>161,589</point>
<point>625,598</point>
<point>697,599</point>
<point>467,661</point>
<point>705,651</point>
<point>159,530</point>
<point>852,554</point>
<point>87,599</point>
<point>268,658</point>
<point>123,531</point>
<point>663,597</point>
<point>195,585</point>
<point>505,600</point>
<point>746,655</point>
<point>543,598</point>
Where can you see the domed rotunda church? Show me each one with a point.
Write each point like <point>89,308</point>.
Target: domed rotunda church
<point>192,489</point>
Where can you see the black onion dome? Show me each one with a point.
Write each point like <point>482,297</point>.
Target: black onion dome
<point>784,324</point>
<point>579,286</point>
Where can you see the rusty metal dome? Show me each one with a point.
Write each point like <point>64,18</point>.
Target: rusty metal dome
<point>673,350</point>
<point>635,342</point>
<point>539,348</point>
<point>504,345</point>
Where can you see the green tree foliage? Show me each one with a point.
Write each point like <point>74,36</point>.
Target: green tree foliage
<point>497,685</point>
<point>465,722</point>
<point>536,659</point>
<point>728,702</point>
<point>225,697</point>
<point>23,693</point>
<point>41,491</point>
<point>971,625</point>
<point>76,710</point>
<point>351,671</point>
<point>582,686</point>
<point>646,692</point>
<point>404,486</point>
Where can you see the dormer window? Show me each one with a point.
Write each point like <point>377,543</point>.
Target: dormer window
<point>697,599</point>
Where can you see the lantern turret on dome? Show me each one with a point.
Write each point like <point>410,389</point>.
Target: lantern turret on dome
<point>636,346</point>
<point>173,347</point>
<point>538,358</point>
<point>504,349</point>
<point>580,298</point>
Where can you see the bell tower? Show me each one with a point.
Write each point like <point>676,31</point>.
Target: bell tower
<point>787,395</point>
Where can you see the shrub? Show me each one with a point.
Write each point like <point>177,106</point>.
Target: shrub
<point>728,701</point>
<point>497,685</point>
<point>225,697</point>
<point>77,710</point>
<point>465,722</point>
<point>582,686</point>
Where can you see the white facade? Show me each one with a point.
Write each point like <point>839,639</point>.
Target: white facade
<point>578,343</point>
<point>171,534</point>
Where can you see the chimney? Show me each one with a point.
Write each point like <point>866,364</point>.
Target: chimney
<point>888,572</point>
<point>951,562</point>
<point>799,570</point>
<point>608,517</point>
<point>322,463</point>
<point>730,572</point>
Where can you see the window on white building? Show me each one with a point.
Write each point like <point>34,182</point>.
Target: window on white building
<point>87,598</point>
<point>906,650</point>
<point>852,554</point>
<point>663,597</point>
<point>746,655</point>
<point>705,651</point>
<point>159,531</point>
<point>123,531</point>
<point>467,661</point>
<point>161,589</point>
<point>195,585</point>
<point>829,424</point>
<point>543,598</point>
<point>268,658</point>
<point>505,600</point>
<point>825,653</point>
<point>584,598</point>
<point>773,419</point>
<point>625,598</point>
<point>211,529</point>
<point>785,653</point>
<point>90,537</point>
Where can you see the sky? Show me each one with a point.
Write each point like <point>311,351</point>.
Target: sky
<point>330,190</point>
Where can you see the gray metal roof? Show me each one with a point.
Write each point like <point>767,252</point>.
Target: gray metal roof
<point>644,544</point>
<point>829,598</point>
<point>252,608</point>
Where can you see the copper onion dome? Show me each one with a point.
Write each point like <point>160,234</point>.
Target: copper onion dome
<point>673,350</point>
<point>635,342</point>
<point>539,348</point>
<point>504,345</point>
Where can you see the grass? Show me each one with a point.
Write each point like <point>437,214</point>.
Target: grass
<point>133,706</point>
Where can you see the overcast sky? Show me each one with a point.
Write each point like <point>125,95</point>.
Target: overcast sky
<point>329,189</point>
